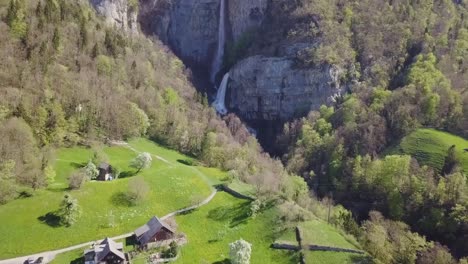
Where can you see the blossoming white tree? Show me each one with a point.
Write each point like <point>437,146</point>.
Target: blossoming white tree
<point>142,161</point>
<point>239,252</point>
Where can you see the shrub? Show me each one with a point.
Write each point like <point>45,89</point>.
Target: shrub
<point>138,190</point>
<point>77,180</point>
<point>69,210</point>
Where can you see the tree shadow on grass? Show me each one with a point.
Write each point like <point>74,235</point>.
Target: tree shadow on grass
<point>51,219</point>
<point>236,215</point>
<point>120,199</point>
<point>187,162</point>
<point>77,165</point>
<point>79,260</point>
<point>126,174</point>
<point>224,261</point>
<point>361,259</point>
<point>131,241</point>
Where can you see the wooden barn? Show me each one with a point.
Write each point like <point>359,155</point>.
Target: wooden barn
<point>105,172</point>
<point>105,251</point>
<point>153,232</point>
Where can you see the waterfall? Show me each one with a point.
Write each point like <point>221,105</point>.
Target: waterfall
<point>218,59</point>
<point>219,104</point>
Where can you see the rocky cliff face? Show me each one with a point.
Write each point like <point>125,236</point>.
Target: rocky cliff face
<point>271,88</point>
<point>118,13</point>
<point>245,15</point>
<point>189,27</point>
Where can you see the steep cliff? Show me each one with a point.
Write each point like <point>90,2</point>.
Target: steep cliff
<point>245,15</point>
<point>119,13</point>
<point>261,88</point>
<point>271,88</point>
<point>189,27</point>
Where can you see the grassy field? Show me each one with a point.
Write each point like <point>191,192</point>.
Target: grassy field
<point>318,232</point>
<point>211,228</point>
<point>27,228</point>
<point>225,219</point>
<point>325,257</point>
<point>430,147</point>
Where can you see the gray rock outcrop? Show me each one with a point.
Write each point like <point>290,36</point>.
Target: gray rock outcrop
<point>271,88</point>
<point>245,15</point>
<point>189,27</point>
<point>118,13</point>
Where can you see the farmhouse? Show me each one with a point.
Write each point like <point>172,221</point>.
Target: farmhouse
<point>105,172</point>
<point>152,232</point>
<point>105,252</point>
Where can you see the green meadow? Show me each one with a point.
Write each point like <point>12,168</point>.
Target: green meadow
<point>430,147</point>
<point>29,225</point>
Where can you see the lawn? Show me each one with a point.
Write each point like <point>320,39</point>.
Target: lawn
<point>430,147</point>
<point>72,257</point>
<point>212,227</point>
<point>225,219</point>
<point>318,232</point>
<point>243,188</point>
<point>28,226</point>
<point>325,257</point>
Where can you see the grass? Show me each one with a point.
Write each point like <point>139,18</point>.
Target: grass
<point>318,232</point>
<point>243,188</point>
<point>430,147</point>
<point>211,228</point>
<point>72,257</point>
<point>29,226</point>
<point>325,257</point>
<point>225,219</point>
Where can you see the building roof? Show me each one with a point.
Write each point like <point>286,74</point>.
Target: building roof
<point>104,247</point>
<point>104,166</point>
<point>147,231</point>
<point>109,248</point>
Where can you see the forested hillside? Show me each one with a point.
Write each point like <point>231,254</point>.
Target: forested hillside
<point>68,78</point>
<point>406,68</point>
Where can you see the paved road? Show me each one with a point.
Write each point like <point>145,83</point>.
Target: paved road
<point>50,255</point>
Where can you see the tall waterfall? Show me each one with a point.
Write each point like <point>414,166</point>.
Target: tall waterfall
<point>218,60</point>
<point>219,104</point>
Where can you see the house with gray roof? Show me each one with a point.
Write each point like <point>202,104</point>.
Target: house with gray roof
<point>105,252</point>
<point>152,232</point>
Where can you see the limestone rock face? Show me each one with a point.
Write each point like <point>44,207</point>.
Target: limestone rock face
<point>118,13</point>
<point>189,27</point>
<point>271,88</point>
<point>246,14</point>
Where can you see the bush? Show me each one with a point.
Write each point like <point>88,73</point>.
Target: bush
<point>104,65</point>
<point>76,180</point>
<point>138,190</point>
<point>171,251</point>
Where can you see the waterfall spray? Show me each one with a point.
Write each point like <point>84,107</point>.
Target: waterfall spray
<point>218,59</point>
<point>219,104</point>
